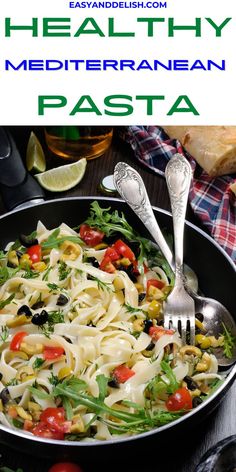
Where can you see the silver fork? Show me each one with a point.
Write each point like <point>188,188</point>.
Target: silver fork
<point>179,308</point>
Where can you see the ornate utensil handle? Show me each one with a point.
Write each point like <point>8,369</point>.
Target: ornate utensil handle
<point>178,178</point>
<point>131,187</point>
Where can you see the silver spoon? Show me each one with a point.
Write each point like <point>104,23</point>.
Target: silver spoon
<point>131,187</point>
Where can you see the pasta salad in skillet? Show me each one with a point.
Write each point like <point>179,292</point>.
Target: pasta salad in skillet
<point>84,354</point>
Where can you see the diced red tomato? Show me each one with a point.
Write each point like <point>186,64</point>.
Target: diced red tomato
<point>65,467</point>
<point>135,268</point>
<point>17,340</point>
<point>28,425</point>
<point>112,254</point>
<point>43,431</point>
<point>91,236</point>
<point>107,265</point>
<point>180,400</point>
<point>156,332</point>
<point>52,352</point>
<point>124,250</point>
<point>55,419</point>
<point>122,373</point>
<point>35,253</point>
<point>155,283</point>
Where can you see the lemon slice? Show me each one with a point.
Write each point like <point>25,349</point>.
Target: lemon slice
<point>35,158</point>
<point>62,178</point>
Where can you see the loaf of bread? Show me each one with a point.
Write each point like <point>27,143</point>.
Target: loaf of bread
<point>213,147</point>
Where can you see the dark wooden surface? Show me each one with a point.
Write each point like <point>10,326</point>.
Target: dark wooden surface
<point>182,453</point>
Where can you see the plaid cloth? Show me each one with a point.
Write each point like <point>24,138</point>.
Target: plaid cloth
<point>211,199</point>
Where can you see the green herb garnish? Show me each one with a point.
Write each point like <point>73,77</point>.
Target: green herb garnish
<point>63,270</point>
<point>38,363</point>
<point>4,333</point>
<point>3,303</point>
<point>53,241</point>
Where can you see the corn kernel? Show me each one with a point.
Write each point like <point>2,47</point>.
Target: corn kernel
<point>199,338</point>
<point>25,261</point>
<point>206,343</point>
<point>100,246</point>
<point>1,405</point>
<point>154,309</point>
<point>39,266</point>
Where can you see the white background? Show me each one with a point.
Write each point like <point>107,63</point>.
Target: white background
<point>212,93</point>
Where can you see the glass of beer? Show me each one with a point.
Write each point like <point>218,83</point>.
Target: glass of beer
<point>75,142</point>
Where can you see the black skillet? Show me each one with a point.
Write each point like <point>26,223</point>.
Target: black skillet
<point>215,271</point>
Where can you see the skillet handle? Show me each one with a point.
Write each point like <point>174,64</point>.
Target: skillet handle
<point>17,186</point>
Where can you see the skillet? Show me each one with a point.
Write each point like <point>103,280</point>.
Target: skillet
<point>215,271</point>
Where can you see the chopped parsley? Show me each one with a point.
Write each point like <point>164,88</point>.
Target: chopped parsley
<point>63,270</point>
<point>3,303</point>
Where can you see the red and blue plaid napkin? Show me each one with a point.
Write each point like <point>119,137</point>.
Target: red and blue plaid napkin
<point>211,199</point>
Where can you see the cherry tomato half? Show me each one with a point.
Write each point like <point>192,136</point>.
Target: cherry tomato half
<point>65,467</point>
<point>91,236</point>
<point>122,373</point>
<point>107,265</point>
<point>156,332</point>
<point>35,253</point>
<point>52,352</point>
<point>54,418</point>
<point>180,400</point>
<point>124,250</point>
<point>155,283</point>
<point>17,340</point>
<point>44,431</point>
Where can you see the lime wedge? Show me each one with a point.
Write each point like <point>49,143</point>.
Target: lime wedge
<point>35,158</point>
<point>62,178</point>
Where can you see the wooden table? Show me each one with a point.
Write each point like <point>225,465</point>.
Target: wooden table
<point>183,454</point>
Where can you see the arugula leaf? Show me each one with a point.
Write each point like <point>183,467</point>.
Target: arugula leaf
<point>3,255</point>
<point>53,241</point>
<point>3,303</point>
<point>39,392</point>
<point>109,222</point>
<point>229,342</point>
<point>7,273</point>
<point>68,408</point>
<point>102,382</point>
<point>173,384</point>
